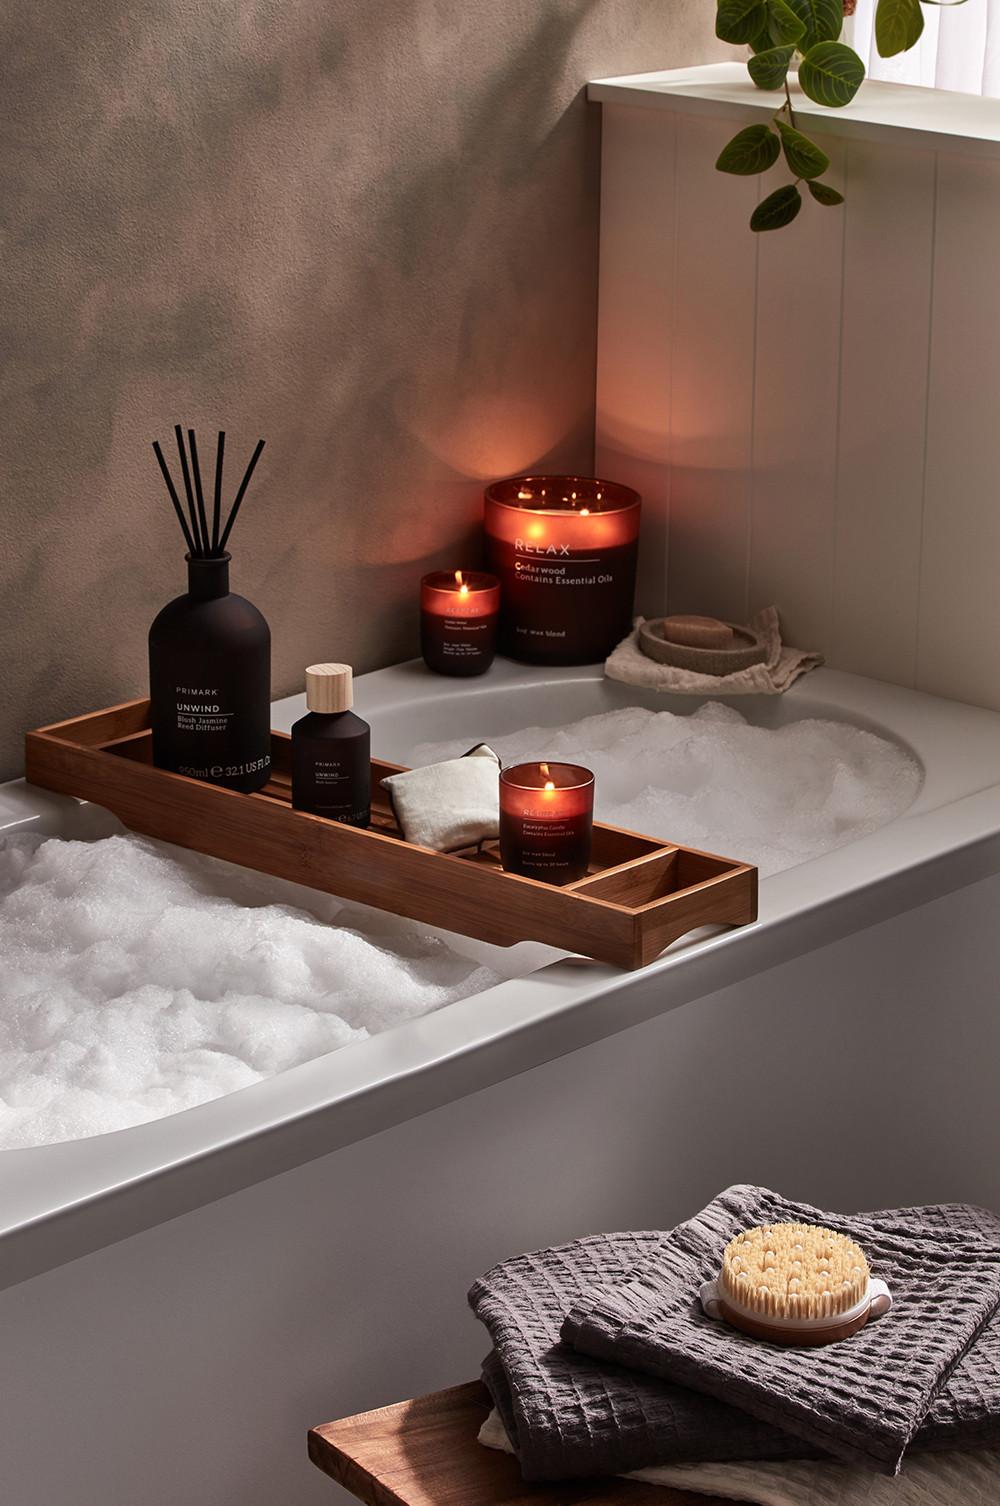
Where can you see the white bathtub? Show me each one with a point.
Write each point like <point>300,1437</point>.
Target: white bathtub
<point>301,1248</point>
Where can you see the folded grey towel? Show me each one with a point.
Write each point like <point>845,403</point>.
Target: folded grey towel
<point>862,1400</point>
<point>569,1416</point>
<point>954,1479</point>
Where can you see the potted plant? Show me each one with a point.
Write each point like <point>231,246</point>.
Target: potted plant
<point>804,35</point>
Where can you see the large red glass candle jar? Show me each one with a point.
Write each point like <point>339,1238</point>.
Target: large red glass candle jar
<point>564,549</point>
<point>546,820</point>
<point>458,621</point>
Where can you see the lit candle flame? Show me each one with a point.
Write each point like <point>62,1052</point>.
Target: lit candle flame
<point>463,589</point>
<point>585,512</point>
<point>523,496</point>
<point>546,771</point>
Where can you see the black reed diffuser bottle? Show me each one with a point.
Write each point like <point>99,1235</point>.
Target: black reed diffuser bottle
<point>210,650</point>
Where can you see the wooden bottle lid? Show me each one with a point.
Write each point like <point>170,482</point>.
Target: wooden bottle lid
<point>329,687</point>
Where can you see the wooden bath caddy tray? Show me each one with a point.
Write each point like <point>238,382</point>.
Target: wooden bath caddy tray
<point>638,896</point>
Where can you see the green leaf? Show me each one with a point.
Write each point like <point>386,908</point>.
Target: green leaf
<point>823,20</point>
<point>762,41</point>
<point>803,156</point>
<point>779,208</point>
<point>752,150</point>
<point>738,20</point>
<point>769,69</point>
<point>898,24</point>
<point>783,24</point>
<point>831,74</point>
<point>824,194</point>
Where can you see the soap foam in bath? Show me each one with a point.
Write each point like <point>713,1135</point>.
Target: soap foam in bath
<point>773,797</point>
<point>140,980</point>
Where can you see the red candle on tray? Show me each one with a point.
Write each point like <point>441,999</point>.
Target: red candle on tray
<point>458,621</point>
<point>546,820</point>
<point>565,550</point>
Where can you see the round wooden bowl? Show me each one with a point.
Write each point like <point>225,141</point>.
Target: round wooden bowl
<point>747,649</point>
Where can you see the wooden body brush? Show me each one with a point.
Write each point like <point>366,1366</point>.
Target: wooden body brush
<point>795,1284</point>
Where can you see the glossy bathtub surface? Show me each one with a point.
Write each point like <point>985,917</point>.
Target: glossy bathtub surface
<point>58,1201</point>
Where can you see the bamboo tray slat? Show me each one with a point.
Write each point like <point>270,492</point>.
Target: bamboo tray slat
<point>639,895</point>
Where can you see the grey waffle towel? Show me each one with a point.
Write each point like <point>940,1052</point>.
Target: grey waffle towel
<point>569,1416</point>
<point>863,1400</point>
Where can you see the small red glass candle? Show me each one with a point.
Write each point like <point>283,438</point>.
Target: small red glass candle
<point>458,621</point>
<point>546,820</point>
<point>565,551</point>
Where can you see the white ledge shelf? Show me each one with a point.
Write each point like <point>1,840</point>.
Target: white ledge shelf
<point>900,114</point>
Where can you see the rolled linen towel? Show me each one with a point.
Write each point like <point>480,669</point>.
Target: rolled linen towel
<point>449,805</point>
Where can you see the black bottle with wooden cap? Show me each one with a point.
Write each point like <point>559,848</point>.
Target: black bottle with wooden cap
<point>210,683</point>
<point>331,750</point>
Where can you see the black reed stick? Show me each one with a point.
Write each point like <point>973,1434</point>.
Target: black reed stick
<point>202,549</point>
<point>195,527</point>
<point>174,497</point>
<point>239,495</point>
<point>199,494</point>
<point>217,506</point>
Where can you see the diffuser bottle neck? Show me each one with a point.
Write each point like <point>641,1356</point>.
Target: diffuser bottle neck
<point>208,578</point>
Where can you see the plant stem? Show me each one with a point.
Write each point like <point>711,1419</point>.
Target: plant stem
<point>788,103</point>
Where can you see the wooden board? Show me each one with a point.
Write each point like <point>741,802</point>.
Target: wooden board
<point>425,1453</point>
<point>639,896</point>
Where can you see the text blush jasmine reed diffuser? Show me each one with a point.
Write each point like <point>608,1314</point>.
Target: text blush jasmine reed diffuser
<point>210,650</point>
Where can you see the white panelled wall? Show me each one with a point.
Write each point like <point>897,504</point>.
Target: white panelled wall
<point>812,415</point>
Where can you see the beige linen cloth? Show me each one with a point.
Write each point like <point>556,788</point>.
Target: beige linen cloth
<point>780,669</point>
<point>955,1479</point>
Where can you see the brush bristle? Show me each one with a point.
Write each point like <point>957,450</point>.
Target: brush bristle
<point>797,1271</point>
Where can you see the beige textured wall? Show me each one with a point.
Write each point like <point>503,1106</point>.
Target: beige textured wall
<point>365,229</point>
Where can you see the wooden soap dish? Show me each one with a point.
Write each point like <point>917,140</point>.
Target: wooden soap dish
<point>638,896</point>
<point>703,652</point>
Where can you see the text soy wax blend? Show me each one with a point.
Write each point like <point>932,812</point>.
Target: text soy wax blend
<point>565,550</point>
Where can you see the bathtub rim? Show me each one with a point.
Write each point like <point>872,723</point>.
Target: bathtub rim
<point>58,1202</point>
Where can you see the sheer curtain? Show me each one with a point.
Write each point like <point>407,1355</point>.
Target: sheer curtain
<point>959,49</point>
